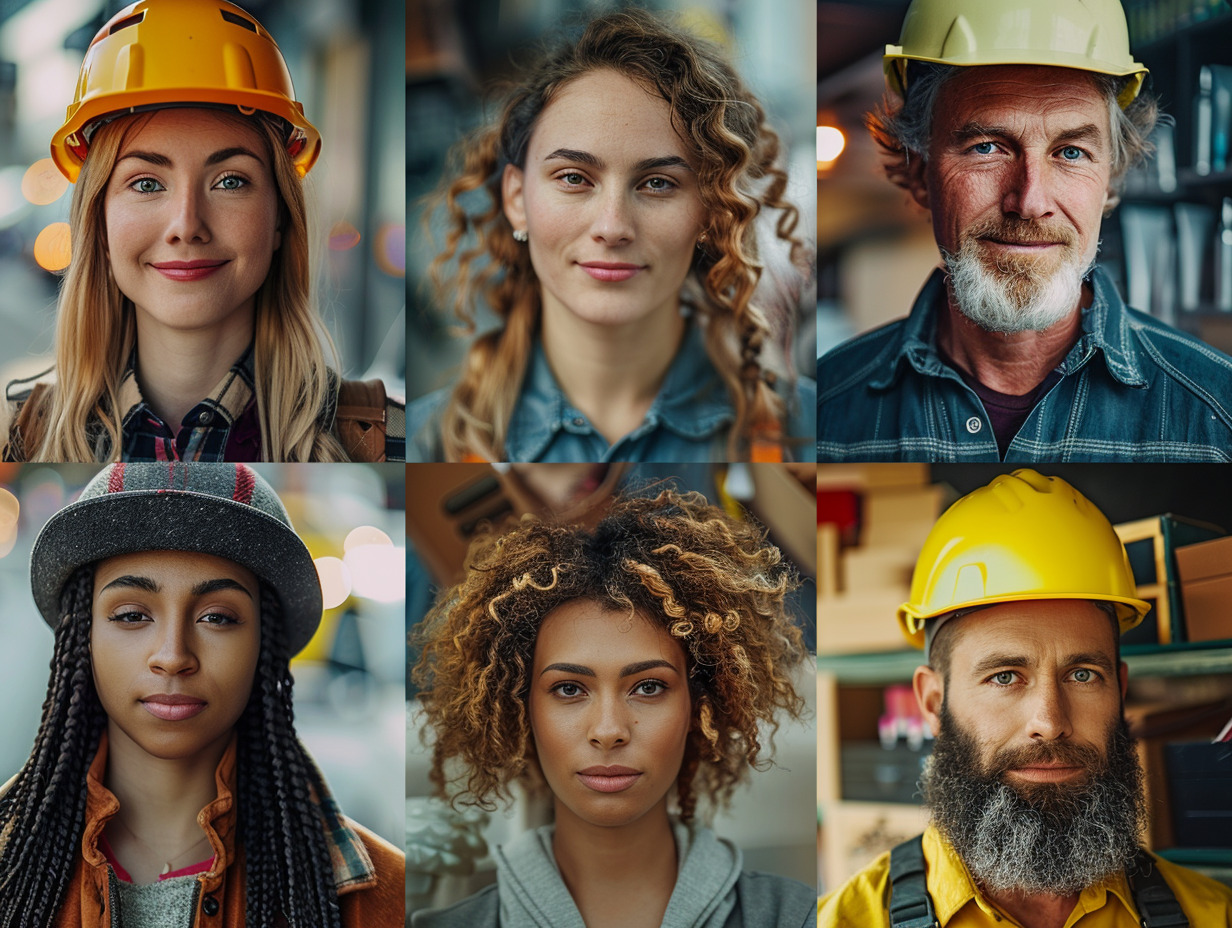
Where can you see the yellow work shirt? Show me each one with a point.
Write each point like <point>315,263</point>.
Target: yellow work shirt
<point>860,902</point>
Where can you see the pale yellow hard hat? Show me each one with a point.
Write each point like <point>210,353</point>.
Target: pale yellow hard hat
<point>1090,35</point>
<point>1024,536</point>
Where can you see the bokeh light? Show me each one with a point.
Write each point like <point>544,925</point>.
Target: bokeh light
<point>9,511</point>
<point>366,535</point>
<point>335,581</point>
<point>43,183</point>
<point>390,249</point>
<point>52,248</point>
<point>378,572</point>
<point>343,236</point>
<point>830,144</point>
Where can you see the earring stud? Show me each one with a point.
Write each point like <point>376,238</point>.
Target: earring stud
<point>520,235</point>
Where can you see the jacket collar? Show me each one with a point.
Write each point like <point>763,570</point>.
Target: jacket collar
<point>230,396</point>
<point>1106,331</point>
<point>692,403</point>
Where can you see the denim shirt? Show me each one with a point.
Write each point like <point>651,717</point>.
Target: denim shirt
<point>688,420</point>
<point>1131,389</point>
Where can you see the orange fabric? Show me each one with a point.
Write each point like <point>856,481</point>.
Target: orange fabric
<point>379,903</point>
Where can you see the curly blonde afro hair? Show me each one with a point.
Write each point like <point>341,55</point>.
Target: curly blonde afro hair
<point>714,584</point>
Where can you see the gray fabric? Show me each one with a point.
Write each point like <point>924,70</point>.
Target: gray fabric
<point>227,510</point>
<point>711,891</point>
<point>162,904</point>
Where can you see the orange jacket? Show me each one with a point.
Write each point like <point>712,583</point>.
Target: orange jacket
<point>371,887</point>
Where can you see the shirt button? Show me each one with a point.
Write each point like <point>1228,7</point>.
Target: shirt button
<point>205,417</point>
<point>579,421</point>
<point>209,905</point>
<point>974,424</point>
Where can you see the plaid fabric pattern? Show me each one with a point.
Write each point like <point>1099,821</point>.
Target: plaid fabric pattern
<point>347,854</point>
<point>202,435</point>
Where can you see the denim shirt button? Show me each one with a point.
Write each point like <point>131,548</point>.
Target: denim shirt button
<point>579,421</point>
<point>974,424</point>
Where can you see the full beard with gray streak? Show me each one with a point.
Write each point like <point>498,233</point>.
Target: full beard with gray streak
<point>1055,838</point>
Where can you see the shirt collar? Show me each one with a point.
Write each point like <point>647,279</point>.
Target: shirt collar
<point>692,403</point>
<point>230,396</point>
<point>1106,330</point>
<point>952,889</point>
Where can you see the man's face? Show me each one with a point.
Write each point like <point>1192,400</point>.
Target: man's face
<point>1017,180</point>
<point>1028,721</point>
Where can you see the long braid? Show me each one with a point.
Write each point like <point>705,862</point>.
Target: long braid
<point>290,877</point>
<point>43,814</point>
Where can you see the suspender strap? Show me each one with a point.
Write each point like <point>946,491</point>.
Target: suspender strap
<point>910,904</point>
<point>1154,899</point>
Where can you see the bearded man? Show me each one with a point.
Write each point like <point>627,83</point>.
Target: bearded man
<point>1014,124</point>
<point>1020,596</point>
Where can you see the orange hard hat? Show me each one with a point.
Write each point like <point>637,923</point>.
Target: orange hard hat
<point>157,53</point>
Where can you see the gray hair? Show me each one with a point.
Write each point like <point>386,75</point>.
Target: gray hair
<point>903,128</point>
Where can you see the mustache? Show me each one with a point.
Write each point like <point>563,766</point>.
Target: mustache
<point>1064,754</point>
<point>1020,231</point>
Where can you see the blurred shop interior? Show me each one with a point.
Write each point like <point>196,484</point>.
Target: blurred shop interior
<point>1168,246</point>
<point>349,679</point>
<point>344,60</point>
<point>872,522</point>
<point>460,51</point>
<point>449,850</point>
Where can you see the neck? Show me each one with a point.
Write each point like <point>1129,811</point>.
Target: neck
<point>620,874</point>
<point>611,373</point>
<point>1040,910</point>
<point>1014,363</point>
<point>177,368</point>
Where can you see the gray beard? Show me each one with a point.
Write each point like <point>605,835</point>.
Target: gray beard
<point>1053,838</point>
<point>1016,296</point>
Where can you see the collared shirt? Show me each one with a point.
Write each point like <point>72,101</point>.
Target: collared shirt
<point>688,420</point>
<point>960,904</point>
<point>1130,389</point>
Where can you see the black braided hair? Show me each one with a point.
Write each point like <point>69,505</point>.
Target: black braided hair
<point>289,876</point>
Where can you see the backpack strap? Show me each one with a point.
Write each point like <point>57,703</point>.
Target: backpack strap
<point>910,905</point>
<point>360,419</point>
<point>26,430</point>
<point>1157,905</point>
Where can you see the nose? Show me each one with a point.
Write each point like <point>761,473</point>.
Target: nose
<point>1050,712</point>
<point>173,653</point>
<point>610,723</point>
<point>187,222</point>
<point>1027,194</point>
<point>613,220</point>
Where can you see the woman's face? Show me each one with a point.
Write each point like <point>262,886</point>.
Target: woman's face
<point>610,200</point>
<point>191,213</point>
<point>174,640</point>
<point>610,713</point>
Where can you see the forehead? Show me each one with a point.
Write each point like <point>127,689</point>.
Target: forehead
<point>608,114</point>
<point>196,128</point>
<point>1038,631</point>
<point>172,569</point>
<point>583,631</point>
<point>1024,99</point>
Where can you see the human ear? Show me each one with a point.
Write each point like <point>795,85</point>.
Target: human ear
<point>930,694</point>
<point>915,178</point>
<point>511,196</point>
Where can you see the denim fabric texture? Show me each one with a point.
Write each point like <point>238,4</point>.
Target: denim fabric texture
<point>688,420</point>
<point>1131,389</point>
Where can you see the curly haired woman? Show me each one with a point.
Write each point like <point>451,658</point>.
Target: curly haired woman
<point>167,787</point>
<point>628,668</point>
<point>623,179</point>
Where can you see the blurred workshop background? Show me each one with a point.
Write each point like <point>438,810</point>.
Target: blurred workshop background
<point>1168,245</point>
<point>344,60</point>
<point>349,680</point>
<point>458,50</point>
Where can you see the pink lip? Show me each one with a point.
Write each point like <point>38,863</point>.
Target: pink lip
<point>609,779</point>
<point>187,270</point>
<point>1046,773</point>
<point>1032,245</point>
<point>608,271</point>
<point>173,707</point>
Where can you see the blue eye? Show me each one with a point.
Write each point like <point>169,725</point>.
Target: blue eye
<point>147,185</point>
<point>1004,678</point>
<point>1084,675</point>
<point>1072,153</point>
<point>232,182</point>
<point>984,148</point>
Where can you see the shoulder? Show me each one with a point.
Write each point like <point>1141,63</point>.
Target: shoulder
<point>771,901</point>
<point>423,421</point>
<point>379,901</point>
<point>1204,900</point>
<point>855,361</point>
<point>1168,346</point>
<point>481,910</point>
<point>801,418</point>
<point>859,901</point>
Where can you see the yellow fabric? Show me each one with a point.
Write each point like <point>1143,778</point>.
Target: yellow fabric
<point>860,902</point>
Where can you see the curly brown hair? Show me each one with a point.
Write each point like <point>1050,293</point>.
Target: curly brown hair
<point>737,154</point>
<point>714,584</point>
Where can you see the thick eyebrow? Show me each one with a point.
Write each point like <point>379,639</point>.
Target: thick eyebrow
<point>995,661</point>
<point>594,161</point>
<point>627,671</point>
<point>974,130</point>
<point>206,587</point>
<point>226,153</point>
<point>217,157</point>
<point>129,581</point>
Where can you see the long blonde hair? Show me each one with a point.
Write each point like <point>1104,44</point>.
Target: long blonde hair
<point>96,329</point>
<point>738,176</point>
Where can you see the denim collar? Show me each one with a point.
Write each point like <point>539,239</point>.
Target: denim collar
<point>1106,329</point>
<point>692,403</point>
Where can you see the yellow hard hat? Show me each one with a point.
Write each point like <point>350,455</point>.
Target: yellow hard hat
<point>1024,536</point>
<point>1090,35</point>
<point>160,53</point>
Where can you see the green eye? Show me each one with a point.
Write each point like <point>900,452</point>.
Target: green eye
<point>147,185</point>
<point>1004,678</point>
<point>1083,675</point>
<point>231,182</point>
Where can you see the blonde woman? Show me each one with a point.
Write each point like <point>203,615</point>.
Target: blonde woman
<point>618,248</point>
<point>186,328</point>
